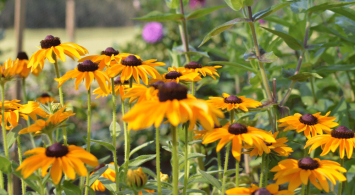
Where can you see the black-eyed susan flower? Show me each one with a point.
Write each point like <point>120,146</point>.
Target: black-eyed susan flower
<point>200,134</point>
<point>279,147</point>
<point>108,173</point>
<point>89,71</point>
<point>21,63</point>
<point>231,102</point>
<point>238,133</point>
<point>307,169</point>
<point>52,47</point>
<point>133,66</point>
<point>8,71</point>
<point>203,70</point>
<point>174,104</point>
<point>272,189</point>
<point>313,124</point>
<point>45,98</point>
<point>136,178</point>
<point>67,159</point>
<point>142,92</point>
<point>108,56</point>
<point>177,75</point>
<point>54,121</point>
<point>342,138</point>
<point>119,89</point>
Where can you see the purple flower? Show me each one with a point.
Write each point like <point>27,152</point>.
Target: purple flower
<point>195,3</point>
<point>152,32</point>
<point>261,21</point>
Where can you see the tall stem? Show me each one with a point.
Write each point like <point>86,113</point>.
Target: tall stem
<point>157,151</point>
<point>341,184</point>
<point>184,36</point>
<point>23,185</point>
<point>187,164</point>
<point>237,173</point>
<point>231,117</point>
<point>261,180</point>
<point>257,51</point>
<point>6,150</point>
<point>266,167</point>
<point>309,188</point>
<point>127,134</point>
<point>65,138</point>
<point>88,137</point>
<point>225,168</point>
<point>219,161</point>
<point>114,133</point>
<point>175,160</point>
<point>351,84</point>
<point>24,95</point>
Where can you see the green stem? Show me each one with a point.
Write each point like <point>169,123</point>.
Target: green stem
<point>187,164</point>
<point>58,190</point>
<point>351,84</point>
<point>114,132</point>
<point>65,138</point>
<point>50,138</point>
<point>184,36</point>
<point>157,151</point>
<point>341,184</point>
<point>219,161</point>
<point>261,180</point>
<point>231,117</point>
<point>127,134</point>
<point>88,137</point>
<point>303,190</point>
<point>23,185</point>
<point>309,188</point>
<point>236,173</point>
<point>267,158</point>
<point>193,88</point>
<point>24,95</point>
<point>175,160</point>
<point>6,150</point>
<point>225,168</point>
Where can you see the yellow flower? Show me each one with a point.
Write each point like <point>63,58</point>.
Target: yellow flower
<point>52,47</point>
<point>88,71</point>
<point>341,137</point>
<point>309,123</point>
<point>238,133</point>
<point>164,177</point>
<point>67,159</point>
<point>200,134</point>
<point>45,98</point>
<point>136,68</point>
<point>279,147</point>
<point>8,70</point>
<point>21,63</point>
<point>143,93</point>
<point>136,178</point>
<point>119,89</point>
<point>307,169</point>
<point>150,191</point>
<point>54,121</point>
<point>203,70</point>
<point>109,174</point>
<point>272,189</point>
<point>231,102</point>
<point>177,74</point>
<point>174,104</point>
<point>108,57</point>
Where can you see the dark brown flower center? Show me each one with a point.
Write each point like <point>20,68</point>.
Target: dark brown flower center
<point>217,126</point>
<point>157,84</point>
<point>267,144</point>
<point>342,133</point>
<point>119,82</point>
<point>44,95</point>
<point>173,75</point>
<point>57,150</point>
<point>87,66</point>
<point>22,55</point>
<point>109,52</point>
<point>233,100</point>
<point>261,191</point>
<point>98,167</point>
<point>193,65</point>
<point>50,41</point>
<point>309,119</point>
<point>308,163</point>
<point>237,129</point>
<point>132,60</point>
<point>172,91</point>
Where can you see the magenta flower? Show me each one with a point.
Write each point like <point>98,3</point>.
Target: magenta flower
<point>196,3</point>
<point>152,32</point>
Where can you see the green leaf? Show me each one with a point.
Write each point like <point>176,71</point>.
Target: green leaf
<point>268,57</point>
<point>328,5</point>
<point>118,129</point>
<point>109,185</point>
<point>195,191</point>
<point>277,20</point>
<point>191,156</point>
<point>140,147</point>
<point>97,174</point>
<point>5,165</point>
<point>222,28</point>
<point>249,56</point>
<point>301,77</point>
<point>106,144</point>
<point>172,4</point>
<point>235,4</point>
<point>30,181</point>
<point>12,135</point>
<point>290,41</point>
<point>211,179</point>
<point>3,192</point>
<point>262,14</point>
<point>244,67</point>
<point>195,142</point>
<point>299,6</point>
<point>198,53</point>
<point>345,11</point>
<point>160,17</point>
<point>335,68</point>
<point>141,159</point>
<point>203,12</point>
<point>69,186</point>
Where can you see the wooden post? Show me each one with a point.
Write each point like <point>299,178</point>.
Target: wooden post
<point>70,20</point>
<point>20,16</point>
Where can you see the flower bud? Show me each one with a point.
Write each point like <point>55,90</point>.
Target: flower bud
<point>136,178</point>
